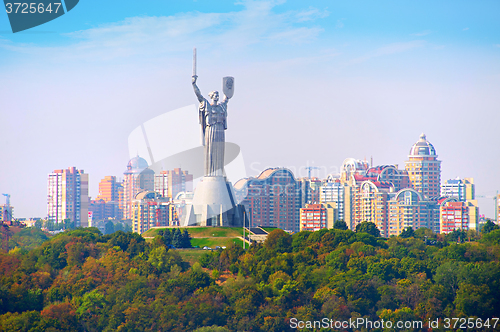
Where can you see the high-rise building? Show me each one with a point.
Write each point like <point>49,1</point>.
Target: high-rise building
<point>107,203</point>
<point>309,190</point>
<point>470,189</point>
<point>408,209</point>
<point>97,210</point>
<point>150,209</point>
<point>314,217</point>
<point>333,191</point>
<point>454,216</point>
<point>68,196</point>
<point>370,204</point>
<point>463,190</point>
<point>351,167</point>
<point>137,177</point>
<point>170,183</point>
<point>109,189</point>
<point>424,169</point>
<point>390,174</point>
<point>473,214</point>
<point>272,199</point>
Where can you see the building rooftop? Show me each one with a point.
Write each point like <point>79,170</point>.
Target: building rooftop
<point>137,163</point>
<point>422,148</point>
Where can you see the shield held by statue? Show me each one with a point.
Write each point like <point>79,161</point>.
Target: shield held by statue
<point>228,86</point>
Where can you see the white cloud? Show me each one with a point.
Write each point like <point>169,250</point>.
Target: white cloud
<point>311,14</point>
<point>340,24</point>
<point>154,36</point>
<point>465,29</point>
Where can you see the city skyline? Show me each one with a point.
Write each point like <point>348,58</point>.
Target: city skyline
<point>365,82</point>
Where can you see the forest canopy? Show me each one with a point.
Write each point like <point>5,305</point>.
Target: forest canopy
<point>81,280</point>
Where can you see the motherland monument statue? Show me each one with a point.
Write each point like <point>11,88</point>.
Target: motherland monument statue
<point>213,201</point>
<point>213,121</point>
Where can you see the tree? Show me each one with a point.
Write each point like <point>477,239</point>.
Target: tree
<point>489,226</point>
<point>28,238</point>
<point>456,235</point>
<point>68,224</point>
<point>279,240</point>
<point>167,237</point>
<point>340,224</point>
<point>49,224</point>
<point>213,328</point>
<point>177,238</point>
<point>39,224</point>
<point>118,227</point>
<point>163,259</point>
<point>127,228</point>
<point>109,228</point>
<point>368,227</point>
<point>186,239</point>
<point>492,237</point>
<point>424,233</point>
<point>408,232</point>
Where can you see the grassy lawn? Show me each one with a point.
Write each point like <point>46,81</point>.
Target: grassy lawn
<point>202,232</point>
<point>212,242</point>
<point>201,237</point>
<point>269,229</point>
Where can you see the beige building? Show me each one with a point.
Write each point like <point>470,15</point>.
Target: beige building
<point>370,204</point>
<point>138,177</point>
<point>424,169</point>
<point>68,196</point>
<point>464,191</point>
<point>409,209</point>
<point>454,216</point>
<point>314,217</point>
<point>171,183</point>
<point>473,214</point>
<point>150,209</point>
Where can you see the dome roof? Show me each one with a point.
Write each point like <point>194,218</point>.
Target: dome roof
<point>137,163</point>
<point>422,148</point>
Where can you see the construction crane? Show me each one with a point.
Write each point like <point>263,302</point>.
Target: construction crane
<point>6,233</point>
<point>309,168</point>
<point>6,209</point>
<point>7,212</point>
<point>495,200</point>
<point>7,200</point>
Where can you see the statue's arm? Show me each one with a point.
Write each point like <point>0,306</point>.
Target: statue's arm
<point>196,90</point>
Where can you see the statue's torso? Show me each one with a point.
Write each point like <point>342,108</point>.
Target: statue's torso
<point>215,114</point>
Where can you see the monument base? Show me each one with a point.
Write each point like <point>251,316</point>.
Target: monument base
<point>214,205</point>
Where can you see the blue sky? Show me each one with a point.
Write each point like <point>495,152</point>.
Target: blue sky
<point>316,83</point>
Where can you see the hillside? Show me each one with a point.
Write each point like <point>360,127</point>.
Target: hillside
<point>206,236</point>
<point>201,232</point>
<point>81,280</point>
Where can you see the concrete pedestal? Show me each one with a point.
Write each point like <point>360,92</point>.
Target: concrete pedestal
<point>214,205</point>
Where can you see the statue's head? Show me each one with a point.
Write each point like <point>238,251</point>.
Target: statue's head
<point>214,95</point>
